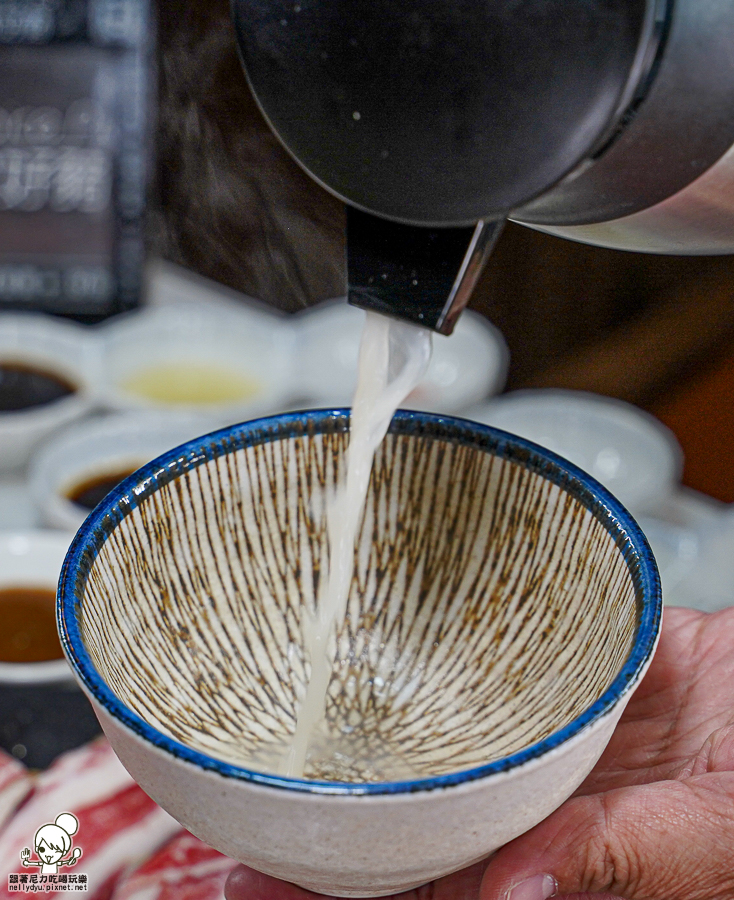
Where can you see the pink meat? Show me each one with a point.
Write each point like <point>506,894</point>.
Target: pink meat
<point>119,825</point>
<point>185,869</point>
<point>15,782</point>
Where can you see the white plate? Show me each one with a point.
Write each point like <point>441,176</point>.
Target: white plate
<point>703,568</point>
<point>17,510</point>
<point>631,453</point>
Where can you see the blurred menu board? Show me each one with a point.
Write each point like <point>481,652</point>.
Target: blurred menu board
<point>76,101</point>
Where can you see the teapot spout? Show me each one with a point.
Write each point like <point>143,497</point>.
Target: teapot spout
<point>423,275</point>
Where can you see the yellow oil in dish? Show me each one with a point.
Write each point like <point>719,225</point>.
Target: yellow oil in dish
<point>191,384</point>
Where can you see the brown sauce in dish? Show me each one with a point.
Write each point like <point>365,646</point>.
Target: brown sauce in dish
<point>92,491</point>
<point>24,386</point>
<point>28,625</point>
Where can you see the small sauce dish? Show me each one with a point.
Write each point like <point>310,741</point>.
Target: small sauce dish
<point>224,360</point>
<point>48,372</point>
<point>42,712</point>
<point>629,451</point>
<point>30,564</point>
<point>71,473</point>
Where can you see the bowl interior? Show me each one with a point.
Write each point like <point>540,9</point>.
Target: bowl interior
<point>492,601</point>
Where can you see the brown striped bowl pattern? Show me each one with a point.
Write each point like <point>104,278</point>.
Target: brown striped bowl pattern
<point>502,609</point>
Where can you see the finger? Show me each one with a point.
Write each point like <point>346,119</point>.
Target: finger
<point>672,840</point>
<point>247,884</point>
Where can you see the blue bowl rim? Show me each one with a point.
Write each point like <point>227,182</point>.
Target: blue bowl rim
<point>133,490</point>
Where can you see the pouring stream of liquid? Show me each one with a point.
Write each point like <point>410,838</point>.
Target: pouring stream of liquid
<point>393,358</point>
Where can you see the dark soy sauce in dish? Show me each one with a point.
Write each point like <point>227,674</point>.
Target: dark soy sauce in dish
<point>91,491</point>
<point>26,386</point>
<point>28,633</point>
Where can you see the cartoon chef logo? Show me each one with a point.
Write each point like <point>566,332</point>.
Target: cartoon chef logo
<point>52,844</point>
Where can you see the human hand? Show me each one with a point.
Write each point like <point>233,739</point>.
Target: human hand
<point>25,855</point>
<point>655,818</point>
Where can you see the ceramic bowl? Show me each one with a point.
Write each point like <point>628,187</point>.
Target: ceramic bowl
<point>464,369</point>
<point>99,450</point>
<point>629,451</point>
<point>61,348</point>
<point>218,359</point>
<point>42,711</point>
<point>503,608</point>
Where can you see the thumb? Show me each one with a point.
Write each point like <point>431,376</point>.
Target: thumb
<point>671,840</point>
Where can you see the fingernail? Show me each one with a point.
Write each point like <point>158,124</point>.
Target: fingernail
<point>539,887</point>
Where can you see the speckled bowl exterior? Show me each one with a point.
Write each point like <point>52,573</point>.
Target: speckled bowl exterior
<point>503,608</point>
